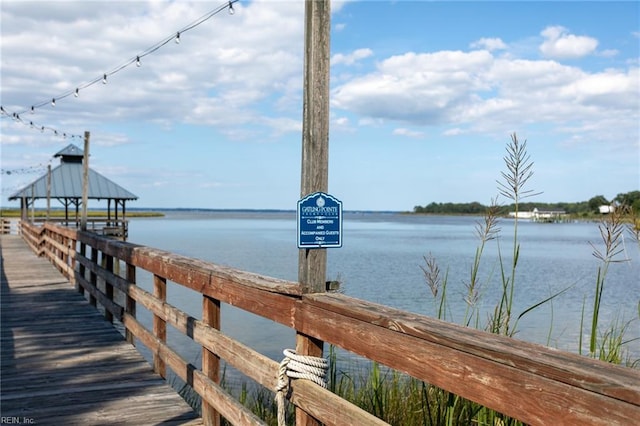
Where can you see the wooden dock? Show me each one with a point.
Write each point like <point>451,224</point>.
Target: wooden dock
<point>63,364</point>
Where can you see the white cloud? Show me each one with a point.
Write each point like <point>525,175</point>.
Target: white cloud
<point>609,53</point>
<point>560,44</point>
<point>489,44</point>
<point>227,72</point>
<point>401,131</point>
<point>453,132</point>
<point>417,88</point>
<point>237,61</point>
<point>351,58</point>
<point>481,93</point>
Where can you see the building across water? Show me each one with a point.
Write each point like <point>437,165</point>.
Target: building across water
<point>536,215</point>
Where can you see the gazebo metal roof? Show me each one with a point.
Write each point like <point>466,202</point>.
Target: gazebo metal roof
<point>66,181</point>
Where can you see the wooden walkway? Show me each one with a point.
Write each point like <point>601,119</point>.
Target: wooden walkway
<point>63,364</point>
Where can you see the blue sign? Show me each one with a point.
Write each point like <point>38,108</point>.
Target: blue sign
<point>319,221</point>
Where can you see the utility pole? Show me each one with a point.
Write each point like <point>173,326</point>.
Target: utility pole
<point>312,263</point>
<point>85,182</point>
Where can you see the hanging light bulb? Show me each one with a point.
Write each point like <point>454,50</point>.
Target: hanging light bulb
<point>178,37</point>
<point>138,61</point>
<point>53,102</point>
<point>232,11</point>
<point>76,93</point>
<point>104,79</point>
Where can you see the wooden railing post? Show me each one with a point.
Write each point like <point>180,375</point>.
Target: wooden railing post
<point>81,269</point>
<point>210,361</point>
<point>93,278</point>
<point>51,250</point>
<point>159,325</point>
<point>72,263</point>
<point>41,243</point>
<point>108,287</point>
<point>64,254</point>
<point>130,307</point>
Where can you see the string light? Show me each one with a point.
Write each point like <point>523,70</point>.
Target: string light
<point>16,117</point>
<point>134,60</point>
<point>23,171</point>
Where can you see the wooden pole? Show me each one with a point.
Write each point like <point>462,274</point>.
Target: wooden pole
<point>85,182</point>
<point>315,130</point>
<point>33,204</point>
<point>48,192</point>
<point>312,263</point>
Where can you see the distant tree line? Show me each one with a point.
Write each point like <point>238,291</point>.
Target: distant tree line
<point>582,208</point>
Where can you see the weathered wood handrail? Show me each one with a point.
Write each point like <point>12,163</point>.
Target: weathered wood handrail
<point>532,383</point>
<point>100,225</point>
<point>5,226</point>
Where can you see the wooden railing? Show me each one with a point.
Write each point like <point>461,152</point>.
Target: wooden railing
<point>5,226</point>
<point>116,228</point>
<point>529,382</point>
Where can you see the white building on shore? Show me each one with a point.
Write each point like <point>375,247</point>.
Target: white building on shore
<point>606,209</point>
<point>541,215</point>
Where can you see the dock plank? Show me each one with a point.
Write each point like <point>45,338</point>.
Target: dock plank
<point>62,363</point>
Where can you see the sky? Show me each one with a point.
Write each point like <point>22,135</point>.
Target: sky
<point>424,98</point>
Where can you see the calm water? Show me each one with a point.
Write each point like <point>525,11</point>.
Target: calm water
<point>380,262</point>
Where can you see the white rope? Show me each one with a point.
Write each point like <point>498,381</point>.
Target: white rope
<point>294,366</point>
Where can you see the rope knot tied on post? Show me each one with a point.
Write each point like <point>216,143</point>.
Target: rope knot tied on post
<point>294,366</point>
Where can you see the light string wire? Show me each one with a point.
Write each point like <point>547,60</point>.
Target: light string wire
<point>23,170</point>
<point>134,60</point>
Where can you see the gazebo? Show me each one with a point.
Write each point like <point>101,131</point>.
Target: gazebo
<point>65,183</point>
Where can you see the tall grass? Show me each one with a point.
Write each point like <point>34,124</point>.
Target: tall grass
<point>609,344</point>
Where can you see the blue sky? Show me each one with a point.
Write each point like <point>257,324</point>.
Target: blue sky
<point>424,97</point>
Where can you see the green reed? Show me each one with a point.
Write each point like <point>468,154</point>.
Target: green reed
<point>608,344</point>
